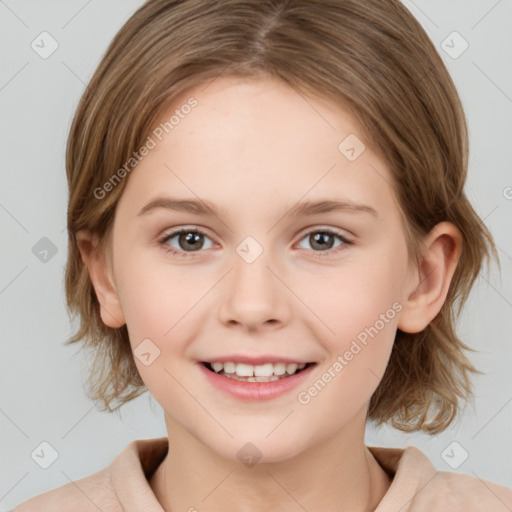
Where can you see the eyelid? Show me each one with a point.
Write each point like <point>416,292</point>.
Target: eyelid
<point>187,227</point>
<point>344,233</point>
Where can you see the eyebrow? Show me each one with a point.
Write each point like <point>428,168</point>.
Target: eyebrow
<point>305,208</point>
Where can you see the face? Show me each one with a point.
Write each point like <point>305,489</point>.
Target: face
<point>258,277</point>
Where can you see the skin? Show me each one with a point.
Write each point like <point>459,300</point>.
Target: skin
<point>254,148</point>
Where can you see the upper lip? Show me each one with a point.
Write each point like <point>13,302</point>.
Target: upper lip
<point>254,360</point>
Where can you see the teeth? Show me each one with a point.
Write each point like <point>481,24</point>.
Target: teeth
<point>217,367</point>
<point>291,369</point>
<point>270,378</point>
<point>262,370</point>
<point>279,368</point>
<point>229,367</point>
<point>244,370</point>
<point>234,376</point>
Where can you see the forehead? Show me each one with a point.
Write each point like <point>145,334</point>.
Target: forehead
<point>267,110</point>
<point>248,144</point>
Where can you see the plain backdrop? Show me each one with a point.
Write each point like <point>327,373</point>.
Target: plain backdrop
<point>42,397</point>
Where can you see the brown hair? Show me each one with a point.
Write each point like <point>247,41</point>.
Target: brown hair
<point>371,56</point>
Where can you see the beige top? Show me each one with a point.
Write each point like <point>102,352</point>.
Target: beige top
<point>416,486</point>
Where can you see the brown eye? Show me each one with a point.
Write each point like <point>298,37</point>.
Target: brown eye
<point>323,241</point>
<point>191,240</point>
<point>187,241</point>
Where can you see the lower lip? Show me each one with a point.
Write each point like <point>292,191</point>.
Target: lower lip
<point>256,390</point>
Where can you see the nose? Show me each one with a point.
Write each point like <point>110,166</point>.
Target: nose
<point>254,296</point>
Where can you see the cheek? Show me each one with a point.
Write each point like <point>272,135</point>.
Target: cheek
<point>361,310</point>
<point>157,300</point>
<point>162,305</point>
<point>159,310</point>
<point>359,306</point>
<point>355,298</point>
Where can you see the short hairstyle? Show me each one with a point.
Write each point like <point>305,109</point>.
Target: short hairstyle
<point>371,57</point>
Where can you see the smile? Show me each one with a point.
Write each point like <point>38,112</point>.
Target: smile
<point>260,382</point>
<point>268,372</point>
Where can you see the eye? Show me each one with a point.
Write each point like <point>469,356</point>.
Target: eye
<point>188,240</point>
<point>323,240</point>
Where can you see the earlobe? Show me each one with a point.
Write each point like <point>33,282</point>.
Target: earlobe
<point>431,282</point>
<point>101,278</point>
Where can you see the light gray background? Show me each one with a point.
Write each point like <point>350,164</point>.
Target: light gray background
<point>41,380</point>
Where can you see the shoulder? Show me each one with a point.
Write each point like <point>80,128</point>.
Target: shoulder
<point>89,494</point>
<point>121,484</point>
<point>417,486</point>
<point>465,493</point>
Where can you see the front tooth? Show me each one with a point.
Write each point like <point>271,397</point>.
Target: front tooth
<point>264,370</point>
<point>291,368</point>
<point>244,370</point>
<point>229,367</point>
<point>217,367</point>
<point>279,368</point>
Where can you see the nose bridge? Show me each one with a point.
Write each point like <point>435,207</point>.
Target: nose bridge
<point>255,295</point>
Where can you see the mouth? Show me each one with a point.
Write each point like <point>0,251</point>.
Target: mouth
<point>268,372</point>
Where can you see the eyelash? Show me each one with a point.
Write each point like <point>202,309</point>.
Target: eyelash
<point>184,254</point>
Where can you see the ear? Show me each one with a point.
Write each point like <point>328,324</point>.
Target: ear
<point>430,282</point>
<point>101,278</point>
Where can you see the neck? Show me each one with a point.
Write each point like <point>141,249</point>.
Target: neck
<point>337,474</point>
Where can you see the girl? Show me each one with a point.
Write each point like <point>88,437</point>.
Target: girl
<point>268,231</point>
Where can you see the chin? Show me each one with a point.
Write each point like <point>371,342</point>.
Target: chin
<point>254,449</point>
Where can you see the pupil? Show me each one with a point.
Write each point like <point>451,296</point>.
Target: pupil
<point>191,238</point>
<point>318,237</point>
